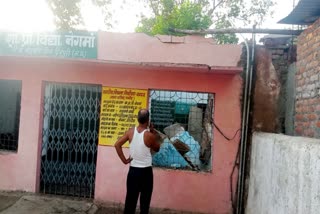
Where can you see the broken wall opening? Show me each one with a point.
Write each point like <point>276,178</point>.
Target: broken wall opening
<point>274,85</point>
<point>184,121</point>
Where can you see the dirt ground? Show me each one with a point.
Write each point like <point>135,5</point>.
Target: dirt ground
<point>29,203</point>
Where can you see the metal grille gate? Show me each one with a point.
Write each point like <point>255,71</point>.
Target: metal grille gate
<point>70,138</point>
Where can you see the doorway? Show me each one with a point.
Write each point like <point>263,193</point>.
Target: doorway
<point>69,139</point>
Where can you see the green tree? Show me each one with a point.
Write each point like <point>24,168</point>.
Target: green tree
<point>67,13</point>
<point>203,14</point>
<point>169,14</point>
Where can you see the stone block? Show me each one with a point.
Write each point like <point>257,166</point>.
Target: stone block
<point>195,123</point>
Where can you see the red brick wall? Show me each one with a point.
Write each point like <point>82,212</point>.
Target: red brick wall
<point>307,116</point>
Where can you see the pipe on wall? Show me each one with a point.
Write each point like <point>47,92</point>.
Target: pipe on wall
<point>244,125</point>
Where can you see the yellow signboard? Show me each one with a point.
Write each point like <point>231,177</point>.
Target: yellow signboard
<point>119,109</point>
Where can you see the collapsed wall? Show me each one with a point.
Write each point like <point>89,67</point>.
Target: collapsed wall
<point>307,107</point>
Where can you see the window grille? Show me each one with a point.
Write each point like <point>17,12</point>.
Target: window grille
<point>183,121</point>
<point>10,95</point>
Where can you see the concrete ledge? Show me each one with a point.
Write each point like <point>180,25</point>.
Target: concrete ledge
<point>284,175</point>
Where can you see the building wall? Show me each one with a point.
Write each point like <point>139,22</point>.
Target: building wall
<point>284,175</point>
<point>266,93</point>
<point>274,86</point>
<point>290,91</point>
<point>307,115</point>
<point>181,190</point>
<point>19,170</point>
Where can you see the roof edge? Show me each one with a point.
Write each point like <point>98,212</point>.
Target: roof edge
<point>185,67</point>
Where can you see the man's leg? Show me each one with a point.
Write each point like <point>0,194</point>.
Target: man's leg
<point>146,191</point>
<point>132,192</point>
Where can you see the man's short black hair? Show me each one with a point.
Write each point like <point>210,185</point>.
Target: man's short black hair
<point>143,116</point>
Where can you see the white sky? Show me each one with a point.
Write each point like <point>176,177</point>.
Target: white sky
<point>34,15</point>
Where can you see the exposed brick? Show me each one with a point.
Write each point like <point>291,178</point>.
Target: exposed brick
<point>305,102</point>
<point>313,101</point>
<point>307,115</point>
<point>298,76</point>
<point>299,103</point>
<point>315,44</point>
<point>299,117</point>
<point>299,109</point>
<point>299,130</point>
<point>309,132</point>
<point>307,124</point>
<point>309,57</point>
<point>311,108</point>
<point>309,36</point>
<point>313,63</point>
<point>305,109</point>
<point>312,116</point>
<point>299,124</point>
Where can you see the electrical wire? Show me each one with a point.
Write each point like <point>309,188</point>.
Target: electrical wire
<point>235,165</point>
<point>229,139</point>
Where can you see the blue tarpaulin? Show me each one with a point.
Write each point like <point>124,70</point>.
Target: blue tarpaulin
<point>194,152</point>
<point>168,156</point>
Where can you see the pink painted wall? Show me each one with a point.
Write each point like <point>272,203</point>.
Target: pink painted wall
<point>18,171</point>
<point>139,47</point>
<point>182,190</point>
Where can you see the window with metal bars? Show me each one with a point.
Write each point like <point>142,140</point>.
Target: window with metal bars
<point>10,96</point>
<point>184,122</point>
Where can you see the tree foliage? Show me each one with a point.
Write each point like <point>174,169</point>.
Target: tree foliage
<point>187,15</point>
<point>180,14</point>
<point>202,14</point>
<point>67,13</point>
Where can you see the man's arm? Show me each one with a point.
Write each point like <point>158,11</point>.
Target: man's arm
<point>118,146</point>
<point>151,141</point>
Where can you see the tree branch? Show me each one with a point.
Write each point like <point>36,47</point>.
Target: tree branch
<point>215,6</point>
<point>238,30</point>
<point>154,7</point>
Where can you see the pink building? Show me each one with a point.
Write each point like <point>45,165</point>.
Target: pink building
<point>51,111</point>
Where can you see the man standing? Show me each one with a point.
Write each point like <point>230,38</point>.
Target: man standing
<point>140,175</point>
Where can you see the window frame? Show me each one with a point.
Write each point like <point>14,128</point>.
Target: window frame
<point>8,147</point>
<point>210,101</point>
